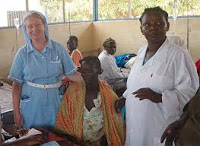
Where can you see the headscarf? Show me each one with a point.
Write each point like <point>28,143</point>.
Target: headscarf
<point>29,14</point>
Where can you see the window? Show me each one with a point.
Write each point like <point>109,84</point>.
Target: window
<point>73,10</point>
<point>11,12</point>
<point>59,11</point>
<point>113,9</point>
<point>117,9</point>
<point>188,7</point>
<point>52,9</point>
<point>78,10</point>
<point>138,6</point>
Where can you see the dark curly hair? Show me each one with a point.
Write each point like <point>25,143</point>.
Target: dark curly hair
<point>154,9</point>
<point>72,37</point>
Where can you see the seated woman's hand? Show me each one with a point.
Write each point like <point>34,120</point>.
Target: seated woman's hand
<point>147,93</point>
<point>35,139</point>
<point>22,132</point>
<point>27,141</point>
<point>119,103</point>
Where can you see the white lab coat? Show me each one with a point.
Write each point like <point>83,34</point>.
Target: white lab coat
<point>170,72</point>
<point>110,68</point>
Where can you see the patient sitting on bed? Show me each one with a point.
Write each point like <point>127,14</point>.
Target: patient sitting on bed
<point>86,115</point>
<point>111,72</point>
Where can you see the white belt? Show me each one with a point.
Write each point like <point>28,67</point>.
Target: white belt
<point>56,85</point>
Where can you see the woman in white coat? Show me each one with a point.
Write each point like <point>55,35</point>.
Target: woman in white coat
<point>162,80</point>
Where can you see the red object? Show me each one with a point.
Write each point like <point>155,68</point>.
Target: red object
<point>198,65</point>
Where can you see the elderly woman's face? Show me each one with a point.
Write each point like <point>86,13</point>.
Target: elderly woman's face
<point>154,27</point>
<point>111,48</point>
<point>34,27</point>
<point>88,72</point>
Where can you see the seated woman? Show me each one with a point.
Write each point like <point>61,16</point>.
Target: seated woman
<point>86,114</point>
<point>108,62</point>
<point>111,73</point>
<point>72,44</point>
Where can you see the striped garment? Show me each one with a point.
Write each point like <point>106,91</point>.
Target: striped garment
<point>70,116</point>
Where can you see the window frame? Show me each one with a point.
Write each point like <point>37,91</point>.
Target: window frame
<point>95,16</point>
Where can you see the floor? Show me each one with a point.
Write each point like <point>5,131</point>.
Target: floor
<point>5,97</point>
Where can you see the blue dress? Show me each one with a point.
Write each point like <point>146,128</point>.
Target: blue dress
<point>39,106</point>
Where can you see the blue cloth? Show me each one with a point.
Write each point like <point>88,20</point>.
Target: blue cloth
<point>122,59</point>
<point>123,113</point>
<point>39,107</point>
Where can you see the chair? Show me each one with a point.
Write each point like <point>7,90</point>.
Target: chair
<point>7,117</point>
<point>8,123</point>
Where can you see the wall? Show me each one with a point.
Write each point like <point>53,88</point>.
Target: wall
<point>92,35</point>
<point>129,38</point>
<point>83,31</point>
<point>128,35</point>
<point>194,38</point>
<point>8,47</point>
